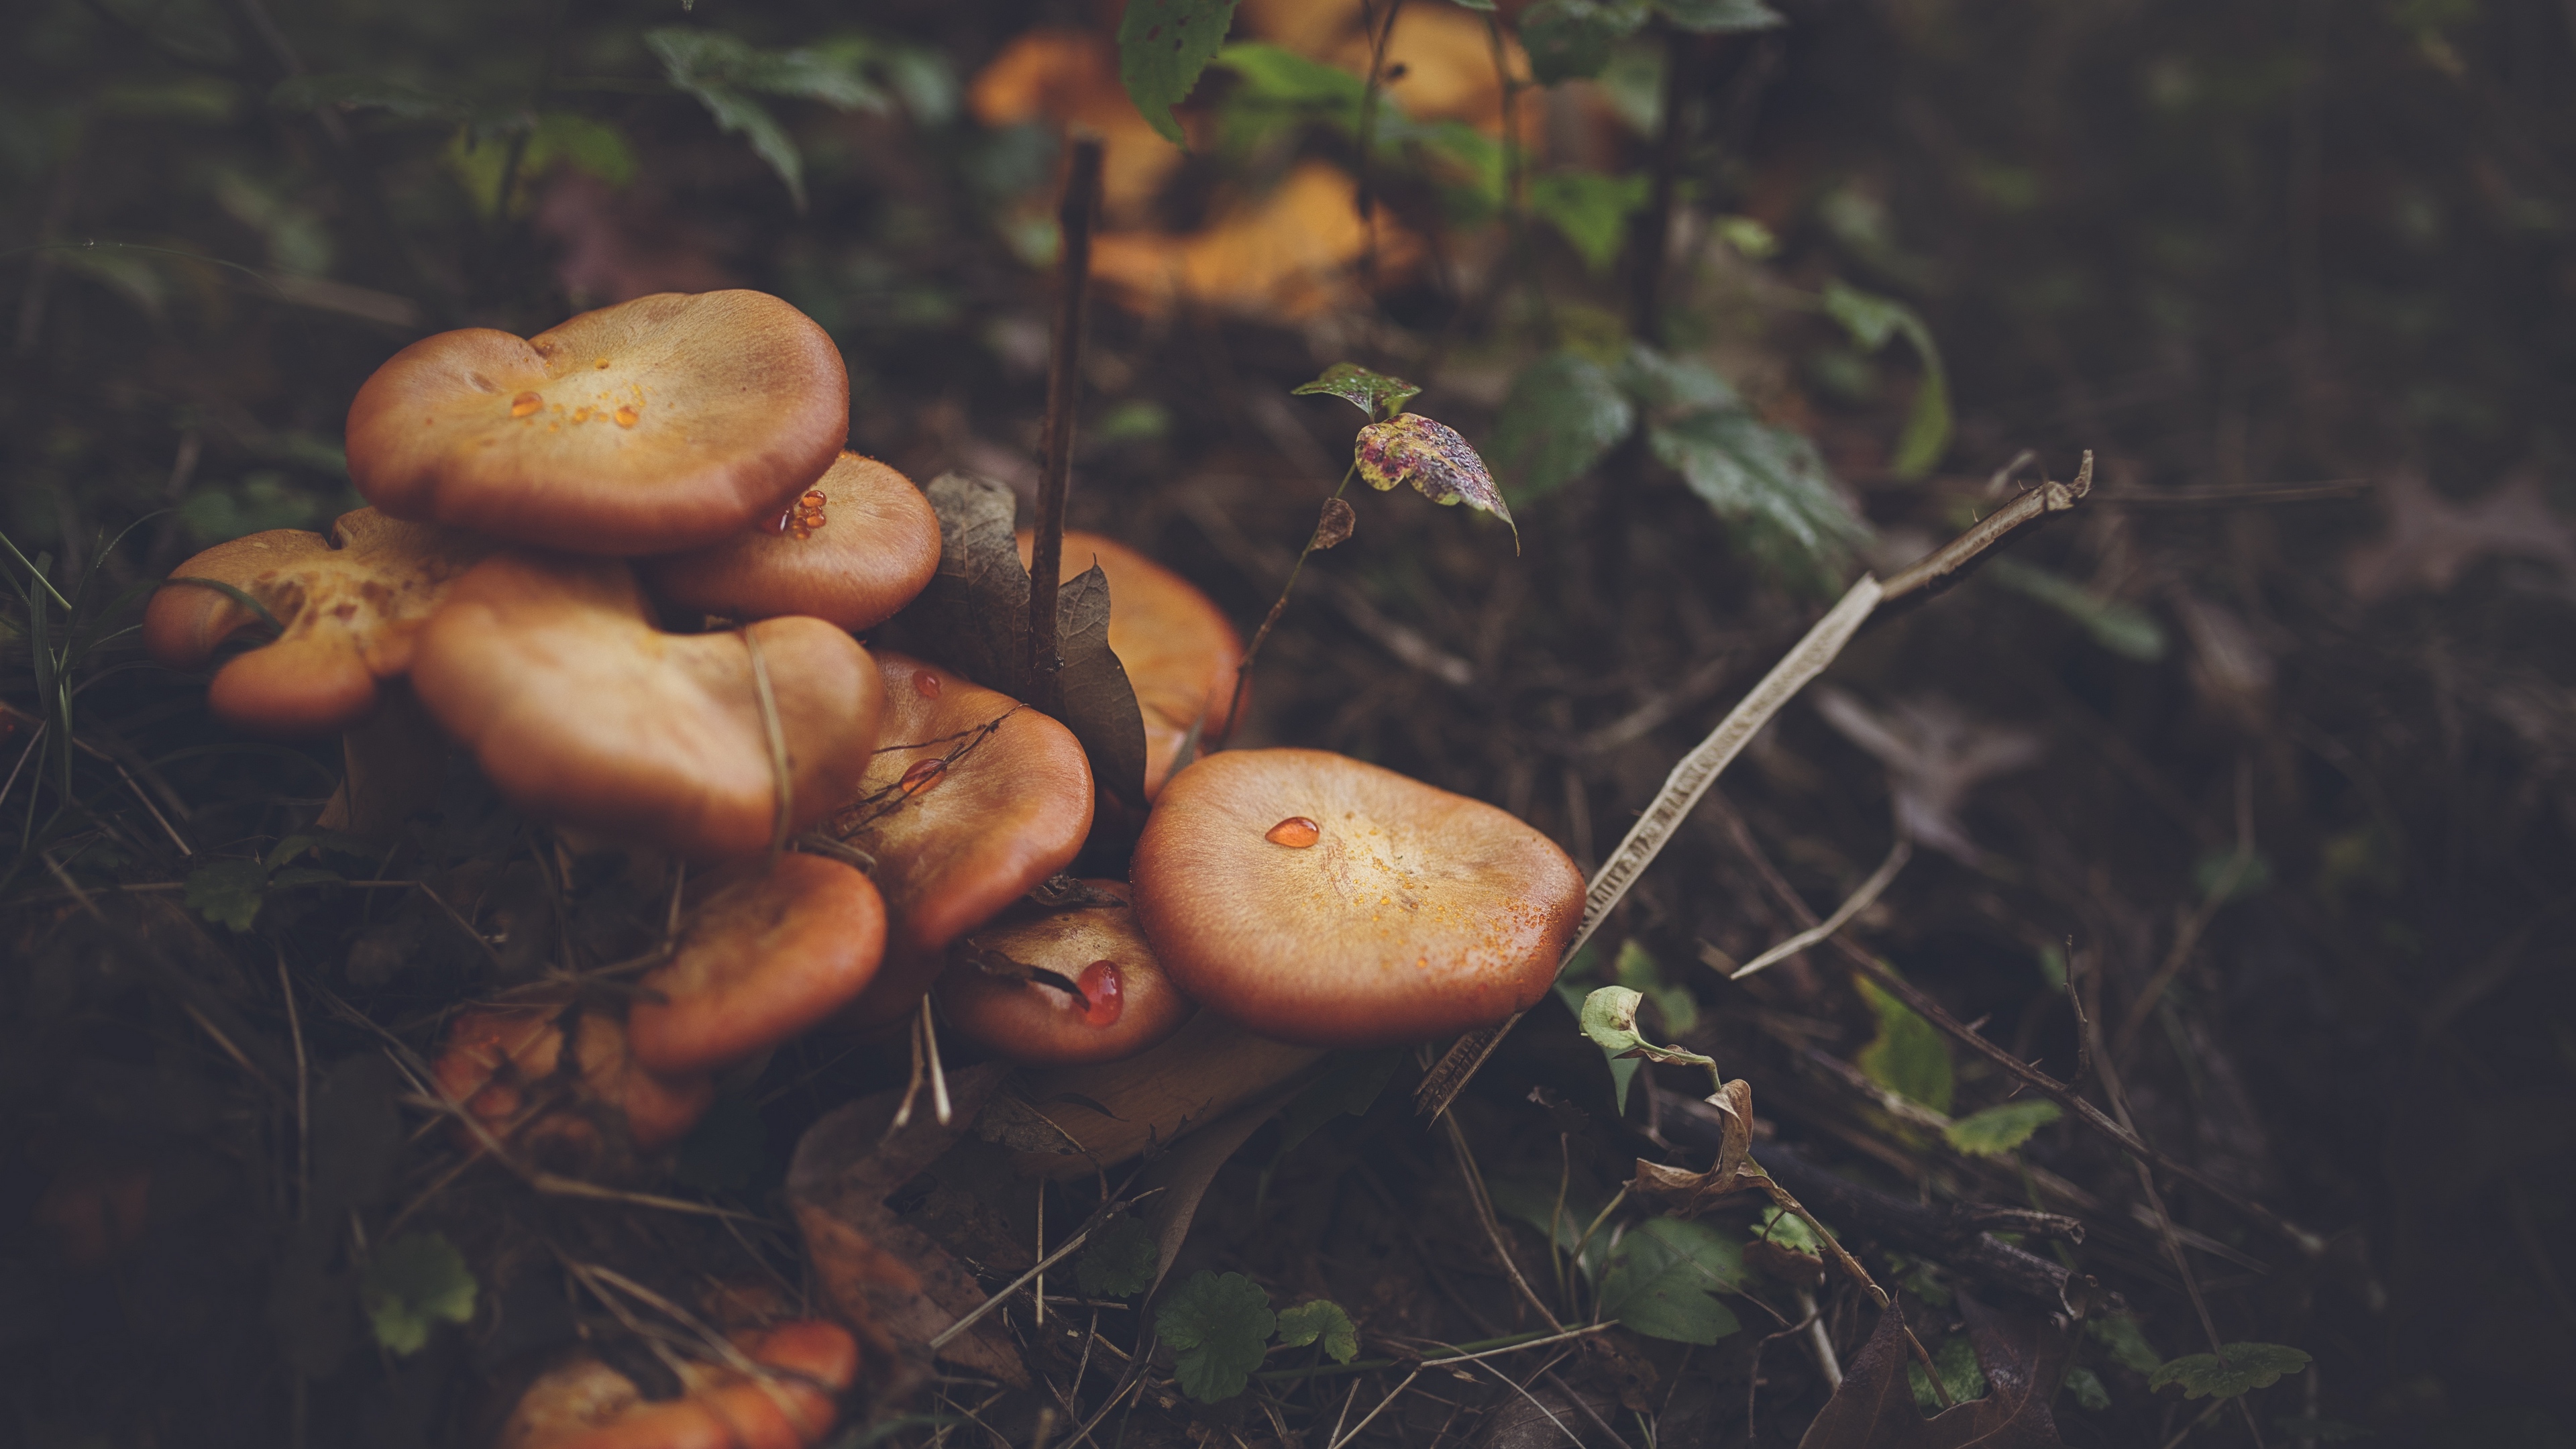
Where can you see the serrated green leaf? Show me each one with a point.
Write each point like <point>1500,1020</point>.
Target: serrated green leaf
<point>1661,1276</point>
<point>2248,1366</point>
<point>1564,414</point>
<point>1119,1261</point>
<point>1909,1056</point>
<point>1217,1327</point>
<point>1589,209</point>
<point>1572,39</point>
<point>1163,45</point>
<point>1998,1130</point>
<point>228,892</point>
<point>417,1281</point>
<point>1716,17</point>
<point>1789,1231</point>
<point>1750,472</point>
<point>1322,1319</point>
<point>1374,393</point>
<point>718,69</point>
<point>1961,1374</point>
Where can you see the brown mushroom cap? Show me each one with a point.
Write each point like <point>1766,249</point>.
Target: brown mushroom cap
<point>580,710</point>
<point>1005,986</point>
<point>662,423</point>
<point>955,842</point>
<point>769,954</point>
<point>352,604</point>
<point>875,546</point>
<point>1318,899</point>
<point>585,1404</point>
<point>1180,652</point>
<point>506,1065</point>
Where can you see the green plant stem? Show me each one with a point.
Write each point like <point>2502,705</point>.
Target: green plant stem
<point>1269,621</point>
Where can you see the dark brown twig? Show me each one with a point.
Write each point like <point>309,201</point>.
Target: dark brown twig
<point>1064,379</point>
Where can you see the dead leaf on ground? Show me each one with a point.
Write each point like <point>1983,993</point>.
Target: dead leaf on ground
<point>2024,1360</point>
<point>2430,539</point>
<point>1935,755</point>
<point>889,1282</point>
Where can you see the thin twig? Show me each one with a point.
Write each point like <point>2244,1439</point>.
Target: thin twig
<point>1064,379</point>
<point>1859,901</point>
<point>976,1314</point>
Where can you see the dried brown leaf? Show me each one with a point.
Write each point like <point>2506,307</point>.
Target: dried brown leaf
<point>2024,1361</point>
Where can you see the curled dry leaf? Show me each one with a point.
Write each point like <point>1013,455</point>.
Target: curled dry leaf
<point>1691,1193</point>
<point>2024,1360</point>
<point>1336,524</point>
<point>1441,465</point>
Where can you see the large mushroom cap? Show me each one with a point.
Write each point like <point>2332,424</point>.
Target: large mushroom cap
<point>662,423</point>
<point>585,1404</point>
<point>852,549</point>
<point>1181,654</point>
<point>580,710</point>
<point>509,1067</point>
<point>765,956</point>
<point>351,603</point>
<point>1321,900</point>
<point>972,800</point>
<point>1059,986</point>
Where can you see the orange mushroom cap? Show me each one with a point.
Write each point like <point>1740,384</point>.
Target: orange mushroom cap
<point>1180,652</point>
<point>852,549</point>
<point>352,605</point>
<point>585,1404</point>
<point>769,954</point>
<point>506,1065</point>
<point>973,800</point>
<point>1005,986</point>
<point>1321,900</point>
<point>579,709</point>
<point>662,423</point>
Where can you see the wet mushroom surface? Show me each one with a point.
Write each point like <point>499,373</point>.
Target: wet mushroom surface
<point>1057,984</point>
<point>852,548</point>
<point>769,951</point>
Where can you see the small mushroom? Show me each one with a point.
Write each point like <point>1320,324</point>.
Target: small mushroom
<point>659,424</point>
<point>769,954</point>
<point>972,800</point>
<point>549,670</point>
<point>508,1066</point>
<point>352,605</point>
<point>791,1404</point>
<point>1317,899</point>
<point>851,549</point>
<point>1058,986</point>
<point>1180,652</point>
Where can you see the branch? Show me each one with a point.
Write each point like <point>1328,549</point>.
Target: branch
<point>1064,379</point>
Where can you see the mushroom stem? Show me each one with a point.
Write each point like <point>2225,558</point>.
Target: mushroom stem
<point>1081,204</point>
<point>1198,1074</point>
<point>393,762</point>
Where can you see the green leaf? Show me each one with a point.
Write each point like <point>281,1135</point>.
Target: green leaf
<point>1589,209</point>
<point>1430,455</point>
<point>1998,1130</point>
<point>2248,1366</point>
<point>417,1281</point>
<point>1323,1319</point>
<point>718,68</point>
<point>1162,47</point>
<point>2086,1385</point>
<point>557,138</point>
<point>1120,1260</point>
<point>1789,1231</point>
<point>1662,383</point>
<point>228,892</point>
<point>1373,393</point>
<point>1217,1327</point>
<point>1661,1277</point>
<point>1715,17</point>
<point>1909,1056</point>
<point>2126,631</point>
<point>1564,415</point>
<point>2119,1333</point>
<point>1572,39</point>
<point>1871,320</point>
<point>1956,1358</point>
<point>1636,967</point>
<point>1750,472</point>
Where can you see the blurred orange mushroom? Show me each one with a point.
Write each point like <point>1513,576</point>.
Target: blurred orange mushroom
<point>789,1401</point>
<point>1070,79</point>
<point>1292,252</point>
<point>1180,652</point>
<point>508,1065</point>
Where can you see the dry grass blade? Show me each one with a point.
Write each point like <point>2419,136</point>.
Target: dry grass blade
<point>1859,901</point>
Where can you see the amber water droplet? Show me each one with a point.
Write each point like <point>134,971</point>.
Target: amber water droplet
<point>581,415</point>
<point>923,775</point>
<point>525,403</point>
<point>925,684</point>
<point>814,496</point>
<point>1296,832</point>
<point>601,364</point>
<point>1105,990</point>
<point>626,417</point>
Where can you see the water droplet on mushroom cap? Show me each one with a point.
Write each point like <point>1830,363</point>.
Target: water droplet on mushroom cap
<point>525,403</point>
<point>1105,990</point>
<point>925,684</point>
<point>626,416</point>
<point>1296,832</point>
<point>922,776</point>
